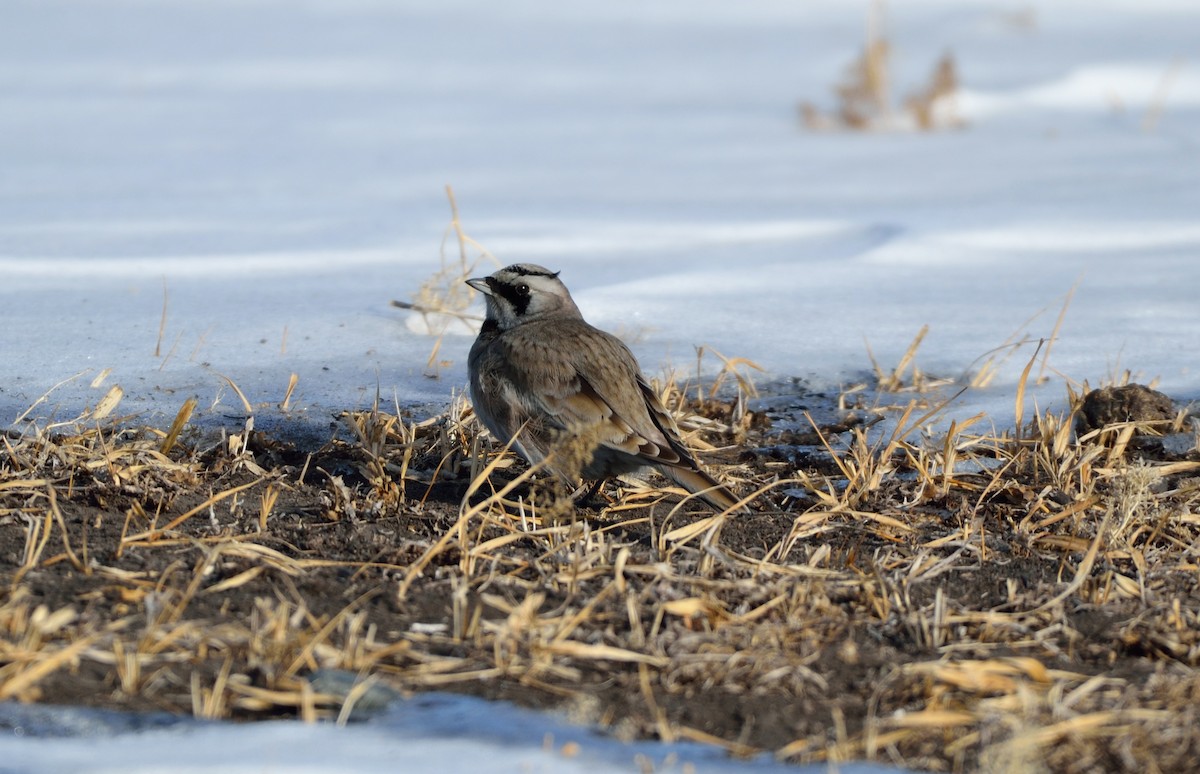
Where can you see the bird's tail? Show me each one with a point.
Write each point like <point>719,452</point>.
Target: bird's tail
<point>705,486</point>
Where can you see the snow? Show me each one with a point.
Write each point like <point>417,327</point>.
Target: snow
<point>275,170</point>
<point>426,733</point>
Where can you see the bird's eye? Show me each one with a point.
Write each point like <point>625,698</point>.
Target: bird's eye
<point>523,289</point>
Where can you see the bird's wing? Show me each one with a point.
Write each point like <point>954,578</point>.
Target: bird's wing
<point>665,423</point>
<point>618,397</point>
<point>597,391</point>
<point>594,387</point>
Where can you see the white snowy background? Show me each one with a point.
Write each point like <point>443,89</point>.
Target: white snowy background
<point>276,168</point>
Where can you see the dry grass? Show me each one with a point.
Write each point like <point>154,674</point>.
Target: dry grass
<point>959,600</point>
<point>865,100</point>
<point>180,585</point>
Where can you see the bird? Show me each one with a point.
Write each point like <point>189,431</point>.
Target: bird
<point>545,380</point>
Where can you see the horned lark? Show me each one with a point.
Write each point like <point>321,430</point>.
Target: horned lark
<point>545,379</point>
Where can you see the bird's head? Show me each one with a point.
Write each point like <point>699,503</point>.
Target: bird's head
<point>524,292</point>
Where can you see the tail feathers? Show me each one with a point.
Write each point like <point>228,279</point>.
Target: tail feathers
<point>705,486</point>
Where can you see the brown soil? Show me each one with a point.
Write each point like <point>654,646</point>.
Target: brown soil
<point>1040,610</point>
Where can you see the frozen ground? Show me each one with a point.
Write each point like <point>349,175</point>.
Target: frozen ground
<point>277,170</point>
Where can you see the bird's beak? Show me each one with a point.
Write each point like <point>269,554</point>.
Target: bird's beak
<point>481,284</point>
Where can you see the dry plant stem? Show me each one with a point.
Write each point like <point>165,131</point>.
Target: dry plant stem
<point>894,381</point>
<point>238,391</point>
<point>181,420</point>
<point>44,396</point>
<point>162,323</point>
<point>293,380</point>
<point>154,534</point>
<point>1062,315</point>
<point>1019,408</point>
<point>1158,103</point>
<point>444,296</point>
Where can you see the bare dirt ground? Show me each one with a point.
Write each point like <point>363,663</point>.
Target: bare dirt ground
<point>947,601</point>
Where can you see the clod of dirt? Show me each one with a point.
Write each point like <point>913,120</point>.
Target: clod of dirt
<point>1128,403</point>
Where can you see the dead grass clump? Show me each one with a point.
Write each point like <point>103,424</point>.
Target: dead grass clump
<point>717,409</point>
<point>443,298</point>
<point>864,95</point>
